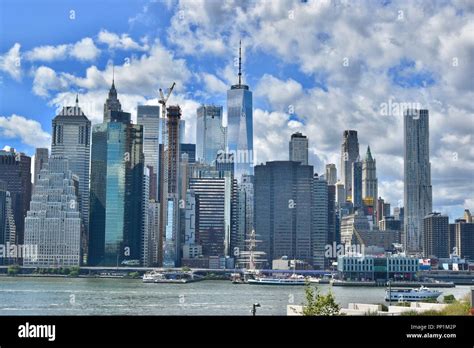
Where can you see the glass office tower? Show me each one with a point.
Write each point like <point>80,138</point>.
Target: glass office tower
<point>210,134</point>
<point>117,167</point>
<point>240,127</point>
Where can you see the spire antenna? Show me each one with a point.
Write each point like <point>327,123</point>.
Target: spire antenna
<point>240,62</point>
<point>113,74</point>
<point>77,99</point>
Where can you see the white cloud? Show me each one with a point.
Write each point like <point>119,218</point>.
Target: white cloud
<point>85,50</point>
<point>280,94</point>
<point>142,75</point>
<point>213,84</point>
<point>28,131</point>
<point>10,62</point>
<point>122,42</point>
<point>47,53</point>
<point>46,80</point>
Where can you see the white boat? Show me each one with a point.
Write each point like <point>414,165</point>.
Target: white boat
<point>293,280</point>
<point>150,277</point>
<point>167,277</point>
<point>420,294</point>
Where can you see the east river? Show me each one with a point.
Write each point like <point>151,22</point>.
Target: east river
<point>100,296</point>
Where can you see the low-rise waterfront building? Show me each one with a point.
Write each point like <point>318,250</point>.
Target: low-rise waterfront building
<point>375,268</point>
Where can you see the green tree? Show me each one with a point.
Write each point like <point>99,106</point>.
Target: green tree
<point>449,299</point>
<point>13,270</point>
<point>319,304</point>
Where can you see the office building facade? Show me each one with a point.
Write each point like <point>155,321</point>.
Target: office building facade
<point>53,223</point>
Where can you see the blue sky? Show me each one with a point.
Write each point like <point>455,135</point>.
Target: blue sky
<point>334,63</point>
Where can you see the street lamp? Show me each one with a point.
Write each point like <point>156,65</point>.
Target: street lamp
<point>254,308</point>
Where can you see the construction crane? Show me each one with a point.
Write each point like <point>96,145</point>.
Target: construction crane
<point>164,100</point>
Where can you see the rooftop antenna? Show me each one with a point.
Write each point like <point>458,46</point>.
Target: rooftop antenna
<point>77,100</point>
<point>240,62</point>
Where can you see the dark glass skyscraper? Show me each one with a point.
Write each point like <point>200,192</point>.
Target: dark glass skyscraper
<point>7,221</point>
<point>15,171</point>
<point>283,203</point>
<point>357,184</point>
<point>117,168</point>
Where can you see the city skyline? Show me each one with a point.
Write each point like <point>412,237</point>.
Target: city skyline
<point>288,97</point>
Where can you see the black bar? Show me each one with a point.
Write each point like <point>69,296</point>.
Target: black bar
<point>224,331</point>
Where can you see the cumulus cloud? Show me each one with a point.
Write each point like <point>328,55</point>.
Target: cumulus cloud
<point>142,75</point>
<point>10,62</point>
<point>27,130</point>
<point>84,50</point>
<point>47,53</point>
<point>46,80</point>
<point>213,84</point>
<point>122,42</point>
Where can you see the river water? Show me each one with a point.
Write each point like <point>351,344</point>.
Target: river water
<point>93,296</point>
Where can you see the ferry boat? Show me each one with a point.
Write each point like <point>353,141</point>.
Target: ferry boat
<point>167,277</point>
<point>293,280</point>
<point>420,294</point>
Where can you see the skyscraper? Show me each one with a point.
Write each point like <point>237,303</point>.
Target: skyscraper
<point>7,221</point>
<point>298,148</point>
<point>246,210</point>
<point>398,213</point>
<point>112,103</point>
<point>41,156</point>
<point>340,193</point>
<point>169,189</point>
<point>467,216</point>
<point>349,155</point>
<point>283,203</point>
<point>146,256</point>
<point>117,168</point>
<point>213,204</point>
<point>383,209</point>
<point>148,116</point>
<point>331,174</point>
<point>369,179</point>
<point>189,150</point>
<point>464,239</point>
<point>240,126</point>
<point>53,222</point>
<point>15,171</point>
<point>332,231</point>
<point>357,184</point>
<point>417,178</point>
<point>210,133</point>
<point>436,235</point>
<point>319,216</point>
<point>72,140</point>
